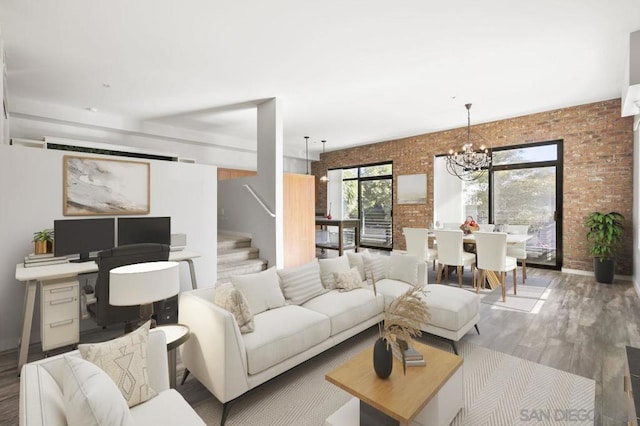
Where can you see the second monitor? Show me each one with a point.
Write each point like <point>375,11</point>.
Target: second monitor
<point>135,230</point>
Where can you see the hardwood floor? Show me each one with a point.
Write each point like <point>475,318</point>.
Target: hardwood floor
<point>583,328</point>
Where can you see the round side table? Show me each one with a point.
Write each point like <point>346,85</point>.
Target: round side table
<point>176,334</point>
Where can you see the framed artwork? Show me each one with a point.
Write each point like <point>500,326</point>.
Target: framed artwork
<point>95,186</point>
<point>412,189</point>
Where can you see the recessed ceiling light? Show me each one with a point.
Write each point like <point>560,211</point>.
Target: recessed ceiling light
<point>91,109</point>
<point>106,85</point>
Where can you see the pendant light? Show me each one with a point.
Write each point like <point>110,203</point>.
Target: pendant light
<point>306,142</point>
<point>324,177</point>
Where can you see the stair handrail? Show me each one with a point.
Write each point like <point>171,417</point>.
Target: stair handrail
<point>252,192</point>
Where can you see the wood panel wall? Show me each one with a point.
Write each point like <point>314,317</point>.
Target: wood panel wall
<point>299,219</point>
<point>224,174</point>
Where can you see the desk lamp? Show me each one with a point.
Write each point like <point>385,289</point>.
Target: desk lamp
<point>142,284</point>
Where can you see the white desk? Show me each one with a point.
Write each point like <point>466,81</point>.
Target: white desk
<point>44,274</point>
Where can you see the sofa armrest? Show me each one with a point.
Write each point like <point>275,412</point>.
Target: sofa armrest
<point>214,353</point>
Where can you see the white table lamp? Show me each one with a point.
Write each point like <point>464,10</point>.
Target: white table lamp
<point>142,284</point>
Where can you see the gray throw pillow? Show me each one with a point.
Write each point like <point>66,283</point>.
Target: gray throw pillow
<point>232,300</point>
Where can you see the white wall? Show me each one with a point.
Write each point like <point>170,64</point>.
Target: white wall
<point>31,199</point>
<point>447,194</point>
<point>636,204</point>
<point>239,211</point>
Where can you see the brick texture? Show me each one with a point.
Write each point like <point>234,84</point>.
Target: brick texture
<point>598,169</point>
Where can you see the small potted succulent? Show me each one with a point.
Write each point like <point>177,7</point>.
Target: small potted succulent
<point>43,241</point>
<point>604,233</point>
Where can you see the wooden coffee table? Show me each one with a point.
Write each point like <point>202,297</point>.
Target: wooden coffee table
<point>429,395</point>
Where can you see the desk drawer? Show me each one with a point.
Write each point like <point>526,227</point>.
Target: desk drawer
<point>60,333</point>
<point>60,289</point>
<point>60,309</point>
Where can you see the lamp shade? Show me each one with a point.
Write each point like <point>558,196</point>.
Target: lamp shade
<point>142,283</point>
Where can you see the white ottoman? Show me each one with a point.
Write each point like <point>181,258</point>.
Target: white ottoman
<point>453,311</point>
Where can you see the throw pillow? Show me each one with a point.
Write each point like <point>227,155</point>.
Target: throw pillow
<point>231,299</point>
<point>355,260</point>
<point>329,266</point>
<point>261,289</point>
<point>403,267</point>
<point>301,283</point>
<point>125,360</point>
<point>375,268</point>
<point>347,281</point>
<point>91,397</point>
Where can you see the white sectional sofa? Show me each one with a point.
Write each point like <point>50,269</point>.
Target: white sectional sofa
<point>230,363</point>
<point>42,400</point>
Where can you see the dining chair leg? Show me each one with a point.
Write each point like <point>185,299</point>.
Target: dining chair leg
<point>439,275</point>
<point>524,270</point>
<point>503,280</point>
<point>515,281</point>
<point>459,269</point>
<point>446,272</point>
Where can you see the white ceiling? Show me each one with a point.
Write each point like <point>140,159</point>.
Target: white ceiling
<point>349,71</point>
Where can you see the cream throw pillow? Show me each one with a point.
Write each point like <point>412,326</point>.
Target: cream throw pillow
<point>375,268</point>
<point>262,290</point>
<point>403,267</point>
<point>347,281</point>
<point>91,398</point>
<point>329,266</point>
<point>356,260</point>
<point>301,283</point>
<point>231,299</point>
<point>125,360</point>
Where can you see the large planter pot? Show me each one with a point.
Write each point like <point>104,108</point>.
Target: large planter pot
<point>603,269</point>
<point>382,358</point>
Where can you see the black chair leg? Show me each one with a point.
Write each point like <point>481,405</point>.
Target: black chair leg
<point>184,376</point>
<point>225,412</point>
<point>477,329</point>
<point>453,345</point>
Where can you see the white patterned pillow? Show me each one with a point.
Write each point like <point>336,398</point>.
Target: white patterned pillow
<point>232,299</point>
<point>261,289</point>
<point>356,260</point>
<point>91,397</point>
<point>329,266</point>
<point>347,281</point>
<point>375,268</point>
<point>125,360</point>
<point>301,283</point>
<point>403,267</point>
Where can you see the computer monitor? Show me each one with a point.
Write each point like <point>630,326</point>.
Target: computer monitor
<point>82,237</point>
<point>136,230</point>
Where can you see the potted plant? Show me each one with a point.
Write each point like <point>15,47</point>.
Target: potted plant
<point>43,241</point>
<point>604,233</point>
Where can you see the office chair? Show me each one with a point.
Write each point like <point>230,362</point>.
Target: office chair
<point>106,314</point>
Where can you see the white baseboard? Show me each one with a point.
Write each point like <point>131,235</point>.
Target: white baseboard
<point>591,274</point>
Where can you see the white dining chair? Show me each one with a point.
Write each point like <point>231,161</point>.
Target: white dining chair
<point>519,251</point>
<point>417,242</point>
<point>487,227</point>
<point>491,250</point>
<point>450,253</point>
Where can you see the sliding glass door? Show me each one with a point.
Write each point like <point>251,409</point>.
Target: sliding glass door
<point>526,188</point>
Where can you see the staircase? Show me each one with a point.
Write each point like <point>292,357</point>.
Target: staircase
<point>237,257</point>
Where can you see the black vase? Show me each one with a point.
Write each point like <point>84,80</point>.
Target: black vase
<point>382,358</point>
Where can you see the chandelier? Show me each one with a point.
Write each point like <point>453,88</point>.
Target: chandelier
<point>469,164</point>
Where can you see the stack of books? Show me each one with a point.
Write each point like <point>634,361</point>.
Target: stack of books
<point>412,357</point>
<point>32,260</point>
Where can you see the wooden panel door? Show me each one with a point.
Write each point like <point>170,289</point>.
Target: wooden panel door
<point>299,219</point>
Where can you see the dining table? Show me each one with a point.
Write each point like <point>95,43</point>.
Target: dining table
<point>512,239</point>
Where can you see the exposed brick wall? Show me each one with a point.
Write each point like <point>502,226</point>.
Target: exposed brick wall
<point>598,169</point>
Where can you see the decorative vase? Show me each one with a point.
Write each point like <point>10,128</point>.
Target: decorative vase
<point>40,247</point>
<point>382,358</point>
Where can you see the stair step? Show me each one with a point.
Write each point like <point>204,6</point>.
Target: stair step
<point>228,242</point>
<point>236,255</point>
<point>240,268</point>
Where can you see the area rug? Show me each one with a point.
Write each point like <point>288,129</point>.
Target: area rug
<point>499,390</point>
<point>530,297</point>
